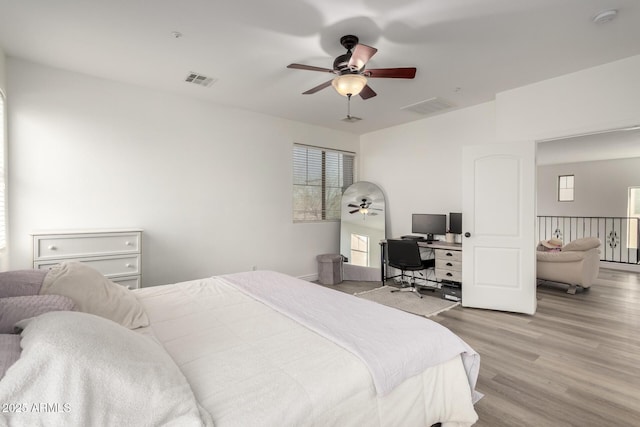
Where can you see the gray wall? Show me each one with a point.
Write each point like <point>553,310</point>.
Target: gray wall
<point>601,187</point>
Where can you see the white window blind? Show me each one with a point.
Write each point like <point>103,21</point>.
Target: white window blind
<point>3,213</point>
<point>320,176</point>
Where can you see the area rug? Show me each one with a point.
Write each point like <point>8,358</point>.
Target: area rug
<point>408,301</point>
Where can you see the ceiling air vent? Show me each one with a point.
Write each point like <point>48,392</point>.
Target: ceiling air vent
<point>199,79</point>
<point>430,106</point>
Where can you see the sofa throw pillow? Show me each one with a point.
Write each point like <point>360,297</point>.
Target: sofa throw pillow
<point>21,282</point>
<point>9,351</point>
<point>582,244</point>
<point>93,293</point>
<point>14,309</point>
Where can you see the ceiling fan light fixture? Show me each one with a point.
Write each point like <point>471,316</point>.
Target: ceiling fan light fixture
<point>349,84</point>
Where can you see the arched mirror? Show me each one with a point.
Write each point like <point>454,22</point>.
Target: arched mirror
<point>362,225</point>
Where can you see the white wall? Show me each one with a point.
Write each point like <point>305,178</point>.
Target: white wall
<point>2,70</point>
<point>601,187</point>
<point>4,259</point>
<point>595,99</point>
<point>87,152</point>
<point>418,165</point>
<point>211,186</point>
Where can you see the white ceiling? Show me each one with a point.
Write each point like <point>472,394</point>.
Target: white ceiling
<point>466,51</point>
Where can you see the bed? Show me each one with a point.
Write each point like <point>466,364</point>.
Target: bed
<point>247,349</point>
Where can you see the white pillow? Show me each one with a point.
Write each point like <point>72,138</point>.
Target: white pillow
<point>93,293</point>
<point>91,371</point>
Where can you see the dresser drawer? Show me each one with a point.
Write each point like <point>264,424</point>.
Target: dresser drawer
<point>70,246</point>
<point>448,264</point>
<point>132,282</point>
<point>454,276</point>
<point>447,254</point>
<point>111,266</point>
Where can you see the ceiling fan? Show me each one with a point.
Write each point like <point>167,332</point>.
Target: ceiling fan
<point>364,207</point>
<point>351,73</point>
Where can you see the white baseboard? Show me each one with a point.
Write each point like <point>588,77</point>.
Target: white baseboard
<point>309,277</point>
<point>620,266</point>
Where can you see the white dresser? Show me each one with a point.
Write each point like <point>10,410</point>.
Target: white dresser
<point>117,253</point>
<point>449,264</point>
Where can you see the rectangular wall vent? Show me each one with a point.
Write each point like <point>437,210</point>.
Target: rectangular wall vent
<point>199,79</point>
<point>430,106</point>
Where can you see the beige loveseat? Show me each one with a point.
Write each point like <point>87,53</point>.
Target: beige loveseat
<point>577,264</point>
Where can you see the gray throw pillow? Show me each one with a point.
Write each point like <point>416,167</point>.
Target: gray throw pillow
<point>21,282</point>
<point>14,309</point>
<point>9,351</point>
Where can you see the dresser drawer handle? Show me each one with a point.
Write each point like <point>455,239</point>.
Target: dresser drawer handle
<point>127,243</point>
<point>52,248</point>
<point>449,254</point>
<point>128,265</point>
<point>449,274</point>
<point>449,264</point>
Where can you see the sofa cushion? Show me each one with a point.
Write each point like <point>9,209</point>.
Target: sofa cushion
<point>582,244</point>
<point>564,256</point>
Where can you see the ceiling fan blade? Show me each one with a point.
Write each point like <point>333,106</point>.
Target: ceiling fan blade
<point>361,55</point>
<point>309,68</point>
<point>367,92</point>
<point>351,205</point>
<point>354,211</point>
<point>318,88</point>
<point>393,73</point>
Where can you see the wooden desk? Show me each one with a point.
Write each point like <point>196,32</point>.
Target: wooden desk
<point>448,259</point>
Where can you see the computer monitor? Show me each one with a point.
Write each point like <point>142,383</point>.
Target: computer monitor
<point>455,222</point>
<point>429,224</point>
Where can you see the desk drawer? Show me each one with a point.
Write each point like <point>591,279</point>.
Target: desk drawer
<point>454,276</point>
<point>447,264</point>
<point>447,254</point>
<point>70,246</point>
<point>112,266</point>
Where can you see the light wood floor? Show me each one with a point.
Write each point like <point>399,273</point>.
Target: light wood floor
<point>576,362</point>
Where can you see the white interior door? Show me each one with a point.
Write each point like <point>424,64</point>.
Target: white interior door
<point>498,257</point>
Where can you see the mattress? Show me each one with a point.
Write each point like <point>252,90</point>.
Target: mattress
<point>251,365</point>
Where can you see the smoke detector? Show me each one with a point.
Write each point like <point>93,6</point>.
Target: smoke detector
<point>605,16</point>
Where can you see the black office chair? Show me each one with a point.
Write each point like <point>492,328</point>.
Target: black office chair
<point>405,256</point>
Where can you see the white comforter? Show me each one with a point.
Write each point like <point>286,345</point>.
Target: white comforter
<point>249,365</point>
<point>393,344</point>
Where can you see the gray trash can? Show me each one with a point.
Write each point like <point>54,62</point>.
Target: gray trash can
<point>329,269</point>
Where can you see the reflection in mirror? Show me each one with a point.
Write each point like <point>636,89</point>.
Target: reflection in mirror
<point>362,225</point>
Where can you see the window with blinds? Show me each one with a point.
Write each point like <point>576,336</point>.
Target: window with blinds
<point>3,213</point>
<point>320,176</point>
